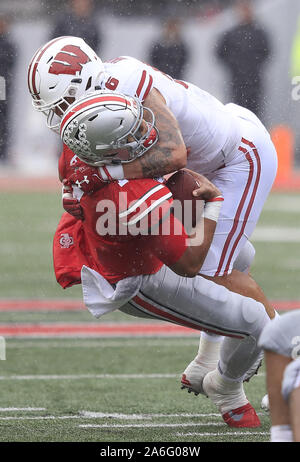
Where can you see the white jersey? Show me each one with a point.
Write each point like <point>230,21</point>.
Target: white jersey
<point>210,131</point>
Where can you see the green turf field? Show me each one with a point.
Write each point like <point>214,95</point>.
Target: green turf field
<point>133,385</point>
<point>115,389</point>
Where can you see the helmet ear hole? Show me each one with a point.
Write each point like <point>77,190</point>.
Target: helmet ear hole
<point>89,83</point>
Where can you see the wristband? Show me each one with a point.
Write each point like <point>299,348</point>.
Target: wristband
<point>212,208</point>
<point>111,172</point>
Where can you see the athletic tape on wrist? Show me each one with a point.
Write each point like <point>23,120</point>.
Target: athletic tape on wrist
<point>212,208</point>
<point>112,172</point>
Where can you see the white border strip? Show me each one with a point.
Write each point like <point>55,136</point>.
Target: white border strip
<point>140,201</point>
<point>189,424</point>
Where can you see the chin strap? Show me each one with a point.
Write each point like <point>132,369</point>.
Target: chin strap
<point>151,138</point>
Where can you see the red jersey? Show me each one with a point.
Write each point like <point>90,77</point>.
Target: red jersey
<point>128,230</point>
<point>67,163</point>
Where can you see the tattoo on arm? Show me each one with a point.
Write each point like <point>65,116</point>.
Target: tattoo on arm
<point>159,160</point>
<point>156,163</point>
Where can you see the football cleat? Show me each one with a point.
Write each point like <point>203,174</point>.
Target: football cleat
<point>231,401</point>
<point>185,384</point>
<point>193,376</point>
<point>242,417</point>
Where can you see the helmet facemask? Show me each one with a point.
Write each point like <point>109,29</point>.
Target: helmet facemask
<point>55,110</point>
<point>108,131</point>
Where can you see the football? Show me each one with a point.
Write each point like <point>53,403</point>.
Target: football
<point>181,185</point>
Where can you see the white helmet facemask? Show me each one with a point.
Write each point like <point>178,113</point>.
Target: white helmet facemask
<point>108,128</point>
<point>59,73</point>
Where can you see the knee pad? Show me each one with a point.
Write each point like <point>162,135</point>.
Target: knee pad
<point>282,335</point>
<point>245,258</point>
<point>291,379</point>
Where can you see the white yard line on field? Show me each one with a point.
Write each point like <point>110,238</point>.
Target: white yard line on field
<point>285,203</point>
<point>88,376</point>
<point>275,234</point>
<point>38,417</point>
<point>12,409</point>
<point>83,415</point>
<point>95,376</point>
<point>229,433</point>
<point>103,415</point>
<point>188,424</point>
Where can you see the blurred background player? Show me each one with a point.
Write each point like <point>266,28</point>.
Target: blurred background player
<point>244,51</point>
<point>281,341</point>
<point>8,54</point>
<point>170,53</point>
<point>79,21</point>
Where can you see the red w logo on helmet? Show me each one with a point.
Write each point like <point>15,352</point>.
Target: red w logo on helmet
<point>69,60</point>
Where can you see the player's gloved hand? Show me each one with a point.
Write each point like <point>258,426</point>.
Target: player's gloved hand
<point>87,178</point>
<point>70,204</point>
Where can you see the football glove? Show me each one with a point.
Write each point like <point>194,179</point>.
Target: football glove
<point>88,179</point>
<point>70,204</point>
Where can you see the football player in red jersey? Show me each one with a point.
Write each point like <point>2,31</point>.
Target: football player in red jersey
<point>149,272</point>
<point>228,144</point>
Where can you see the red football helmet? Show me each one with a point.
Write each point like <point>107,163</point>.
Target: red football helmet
<point>60,72</point>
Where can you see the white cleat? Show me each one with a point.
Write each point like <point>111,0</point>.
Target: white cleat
<point>193,376</point>
<point>225,395</point>
<point>230,399</point>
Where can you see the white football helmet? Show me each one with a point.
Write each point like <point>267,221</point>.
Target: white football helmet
<point>59,73</point>
<point>108,128</point>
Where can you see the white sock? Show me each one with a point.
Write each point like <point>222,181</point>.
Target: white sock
<point>209,350</point>
<point>281,433</point>
<point>226,394</point>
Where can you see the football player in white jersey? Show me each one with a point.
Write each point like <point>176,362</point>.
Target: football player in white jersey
<point>227,144</point>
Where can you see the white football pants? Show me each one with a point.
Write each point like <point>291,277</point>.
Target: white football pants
<point>245,184</point>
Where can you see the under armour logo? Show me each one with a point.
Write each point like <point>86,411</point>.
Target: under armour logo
<point>66,240</point>
<point>79,183</point>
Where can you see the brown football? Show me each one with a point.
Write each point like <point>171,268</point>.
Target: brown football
<point>181,185</point>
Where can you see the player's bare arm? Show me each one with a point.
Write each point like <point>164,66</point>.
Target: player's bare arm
<point>199,243</point>
<point>192,260</point>
<point>169,153</point>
